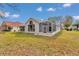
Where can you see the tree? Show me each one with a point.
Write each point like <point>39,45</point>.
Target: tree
<point>52,19</point>
<point>56,18</point>
<point>68,21</point>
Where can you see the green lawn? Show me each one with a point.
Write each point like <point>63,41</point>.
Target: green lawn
<point>64,43</point>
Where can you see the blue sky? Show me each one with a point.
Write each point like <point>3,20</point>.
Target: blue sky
<point>41,11</point>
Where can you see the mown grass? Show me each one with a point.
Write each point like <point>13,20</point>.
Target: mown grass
<point>64,43</point>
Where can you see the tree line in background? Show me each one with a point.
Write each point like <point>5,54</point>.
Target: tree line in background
<point>67,21</point>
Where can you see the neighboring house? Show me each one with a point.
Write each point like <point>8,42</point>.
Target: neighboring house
<point>1,28</point>
<point>12,26</point>
<point>75,27</point>
<point>45,28</point>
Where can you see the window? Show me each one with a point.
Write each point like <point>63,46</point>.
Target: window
<point>40,27</point>
<point>50,29</point>
<point>9,28</point>
<point>31,22</point>
<point>31,27</point>
<point>22,28</point>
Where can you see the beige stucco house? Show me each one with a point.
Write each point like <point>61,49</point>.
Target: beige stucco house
<point>12,26</point>
<point>45,28</point>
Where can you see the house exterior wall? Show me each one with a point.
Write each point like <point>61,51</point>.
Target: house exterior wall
<point>38,27</point>
<point>26,28</point>
<point>12,26</point>
<point>58,26</point>
<point>52,32</point>
<point>41,28</point>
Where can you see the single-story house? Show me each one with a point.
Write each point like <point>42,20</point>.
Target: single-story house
<point>75,27</point>
<point>12,26</point>
<point>46,28</point>
<point>1,28</point>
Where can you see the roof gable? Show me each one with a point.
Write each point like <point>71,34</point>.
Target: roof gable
<point>32,19</point>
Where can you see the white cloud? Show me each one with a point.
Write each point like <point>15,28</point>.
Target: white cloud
<point>9,15</point>
<point>39,9</point>
<point>6,14</point>
<point>76,17</point>
<point>51,9</point>
<point>15,15</point>
<point>67,5</point>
